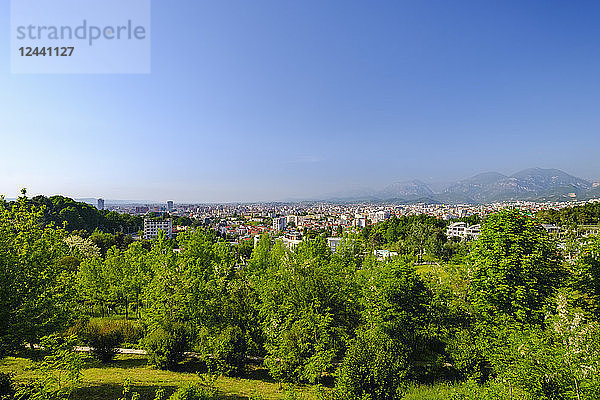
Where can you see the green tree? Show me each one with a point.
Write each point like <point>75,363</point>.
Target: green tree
<point>586,274</point>
<point>396,301</point>
<point>516,267</point>
<point>36,295</point>
<point>308,309</point>
<point>374,368</point>
<point>221,302</point>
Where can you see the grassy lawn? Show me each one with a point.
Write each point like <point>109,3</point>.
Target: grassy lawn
<point>435,392</point>
<point>105,382</point>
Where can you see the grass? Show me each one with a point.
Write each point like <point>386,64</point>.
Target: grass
<point>425,392</point>
<point>105,382</point>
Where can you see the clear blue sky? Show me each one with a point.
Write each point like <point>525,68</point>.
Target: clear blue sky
<point>263,100</point>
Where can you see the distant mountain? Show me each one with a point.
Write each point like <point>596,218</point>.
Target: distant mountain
<point>530,184</point>
<point>409,190</point>
<point>356,194</point>
<point>544,179</point>
<point>485,178</point>
<point>474,189</point>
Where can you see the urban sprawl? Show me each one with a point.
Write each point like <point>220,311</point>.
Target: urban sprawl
<point>291,221</point>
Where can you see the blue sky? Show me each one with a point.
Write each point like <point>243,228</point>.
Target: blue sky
<point>270,100</point>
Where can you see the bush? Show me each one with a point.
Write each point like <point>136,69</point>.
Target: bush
<point>373,368</point>
<point>226,353</point>
<point>105,335</point>
<point>103,340</point>
<point>58,375</point>
<point>7,386</point>
<point>194,392</point>
<point>131,331</point>
<point>166,345</point>
<point>78,329</point>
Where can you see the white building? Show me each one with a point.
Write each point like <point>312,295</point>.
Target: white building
<point>360,220</point>
<point>152,226</point>
<point>552,229</point>
<point>381,216</point>
<point>334,243</point>
<point>279,224</point>
<point>463,231</point>
<point>291,242</point>
<point>383,254</point>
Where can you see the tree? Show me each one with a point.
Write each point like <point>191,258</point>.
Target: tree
<point>373,368</point>
<point>515,268</point>
<point>586,274</point>
<point>104,241</point>
<point>36,295</point>
<point>93,284</point>
<point>396,301</point>
<point>560,360</point>
<point>308,309</point>
<point>221,302</point>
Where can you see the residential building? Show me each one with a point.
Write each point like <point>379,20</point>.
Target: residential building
<point>100,204</point>
<point>552,229</point>
<point>383,254</point>
<point>463,231</point>
<point>334,243</point>
<point>292,239</point>
<point>381,216</point>
<point>169,206</point>
<point>152,226</point>
<point>279,224</point>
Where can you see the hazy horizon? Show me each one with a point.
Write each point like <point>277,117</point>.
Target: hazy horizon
<point>349,192</point>
<point>270,100</point>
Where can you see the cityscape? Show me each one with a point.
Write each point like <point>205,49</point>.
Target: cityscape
<point>246,221</point>
<point>299,200</point>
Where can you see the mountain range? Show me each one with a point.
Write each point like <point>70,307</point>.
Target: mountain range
<point>535,184</point>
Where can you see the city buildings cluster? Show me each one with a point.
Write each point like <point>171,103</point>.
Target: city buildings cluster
<point>290,221</point>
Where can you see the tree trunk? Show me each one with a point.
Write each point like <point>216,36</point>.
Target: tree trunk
<point>577,389</point>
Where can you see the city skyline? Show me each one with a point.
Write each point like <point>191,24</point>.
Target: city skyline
<point>276,101</point>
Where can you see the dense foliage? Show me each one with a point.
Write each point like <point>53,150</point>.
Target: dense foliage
<point>36,294</point>
<point>507,312</point>
<point>585,214</point>
<point>81,216</point>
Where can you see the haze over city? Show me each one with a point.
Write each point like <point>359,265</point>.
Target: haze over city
<point>277,100</point>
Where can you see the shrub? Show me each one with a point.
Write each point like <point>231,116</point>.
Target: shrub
<point>373,368</point>
<point>7,386</point>
<point>226,353</point>
<point>103,340</point>
<point>78,329</point>
<point>131,331</point>
<point>166,345</point>
<point>194,392</point>
<point>105,335</point>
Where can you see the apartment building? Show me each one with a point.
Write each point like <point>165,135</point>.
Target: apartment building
<point>152,226</point>
<point>279,224</point>
<point>463,231</point>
